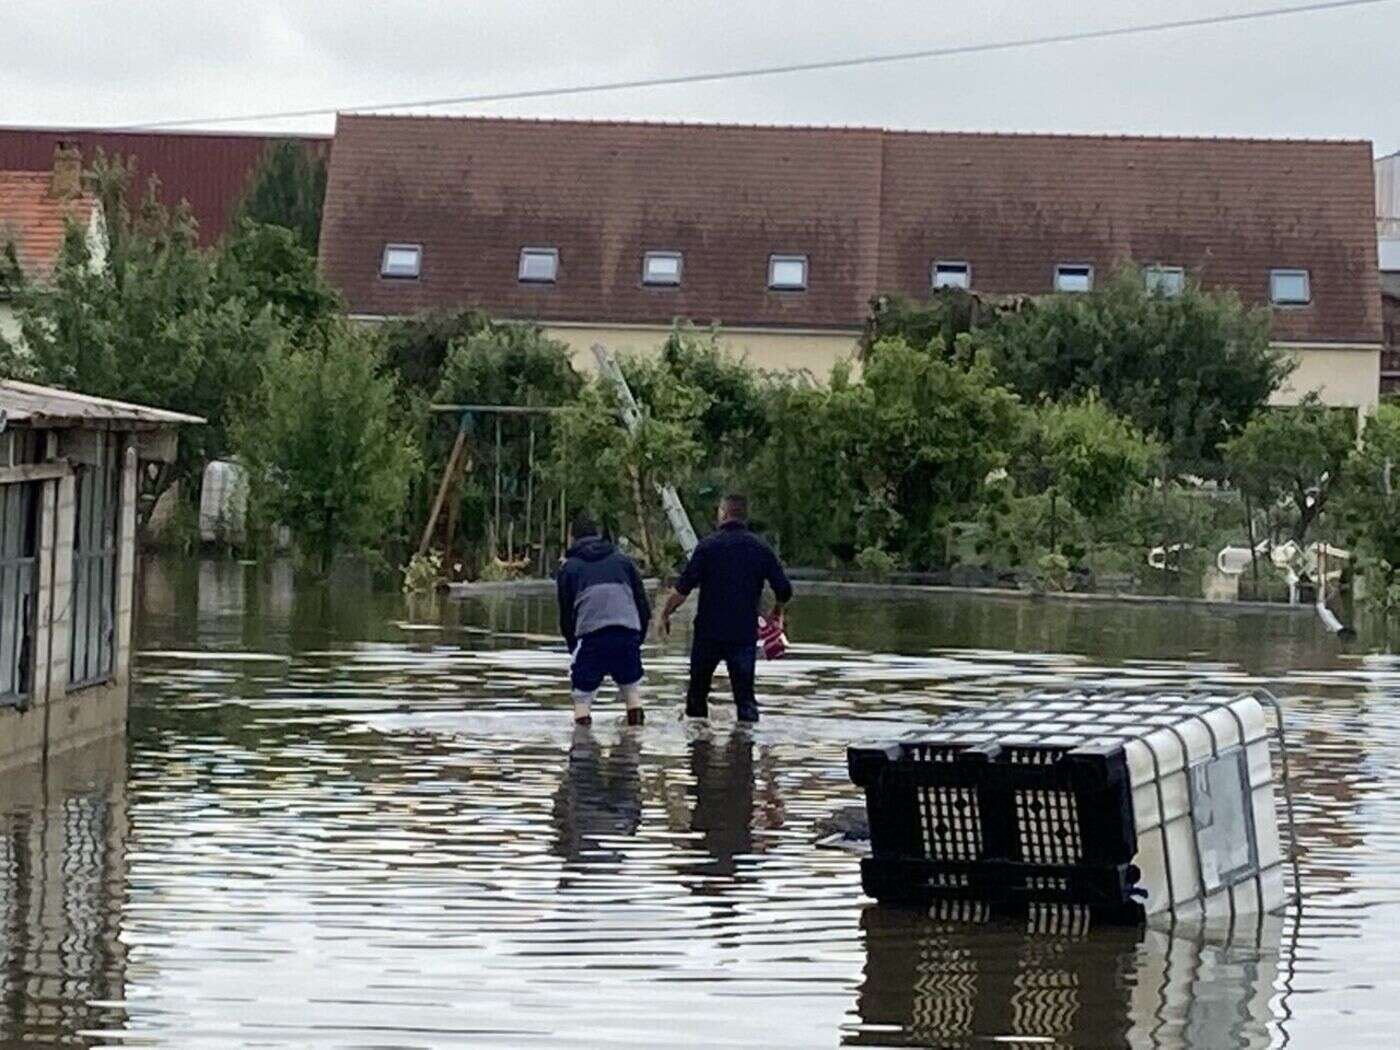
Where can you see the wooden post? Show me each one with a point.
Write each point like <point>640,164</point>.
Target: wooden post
<point>530,487</point>
<point>498,477</point>
<point>452,458</point>
<point>641,513</point>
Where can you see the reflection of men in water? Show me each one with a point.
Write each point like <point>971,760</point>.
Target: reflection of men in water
<point>726,786</point>
<point>603,616</point>
<point>730,566</point>
<point>600,796</point>
<point>723,811</point>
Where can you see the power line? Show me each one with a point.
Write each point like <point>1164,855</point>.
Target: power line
<point>769,71</point>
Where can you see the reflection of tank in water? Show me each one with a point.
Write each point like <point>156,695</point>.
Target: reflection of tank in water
<point>966,979</point>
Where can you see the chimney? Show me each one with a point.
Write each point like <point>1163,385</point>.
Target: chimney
<point>67,180</point>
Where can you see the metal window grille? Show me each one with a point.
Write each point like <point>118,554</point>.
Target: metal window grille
<point>95,545</point>
<point>19,541</point>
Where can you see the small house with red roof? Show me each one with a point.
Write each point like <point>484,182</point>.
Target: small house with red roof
<point>36,210</point>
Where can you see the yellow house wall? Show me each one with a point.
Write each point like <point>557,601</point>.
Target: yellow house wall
<point>814,351</point>
<point>1342,377</point>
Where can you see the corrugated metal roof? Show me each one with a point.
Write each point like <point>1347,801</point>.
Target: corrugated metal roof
<point>37,406</point>
<point>210,171</point>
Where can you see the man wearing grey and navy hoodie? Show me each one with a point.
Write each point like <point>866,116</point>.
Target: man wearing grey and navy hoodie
<point>603,615</point>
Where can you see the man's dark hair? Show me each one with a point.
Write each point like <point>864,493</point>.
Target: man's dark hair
<point>583,526</point>
<point>736,506</point>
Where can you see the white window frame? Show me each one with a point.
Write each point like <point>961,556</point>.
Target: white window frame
<point>663,281</point>
<point>395,273</point>
<point>952,266</point>
<point>528,253</point>
<point>1149,272</point>
<point>1088,269</point>
<point>777,259</point>
<point>1287,272</point>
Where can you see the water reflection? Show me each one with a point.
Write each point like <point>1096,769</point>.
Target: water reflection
<point>936,982</point>
<point>62,880</point>
<point>599,800</point>
<point>357,821</point>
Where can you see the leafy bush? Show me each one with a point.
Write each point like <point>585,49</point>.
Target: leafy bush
<point>287,189</point>
<point>1288,461</point>
<point>876,563</point>
<point>1191,370</point>
<point>1369,504</point>
<point>612,472</point>
<point>324,445</point>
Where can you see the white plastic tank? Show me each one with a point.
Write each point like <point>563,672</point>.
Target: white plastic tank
<point>223,502</point>
<point>1138,803</point>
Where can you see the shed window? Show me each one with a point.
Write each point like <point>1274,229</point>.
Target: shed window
<point>95,523</point>
<point>19,549</point>
<point>401,260</point>
<point>661,268</point>
<point>539,265</point>
<point>1074,277</point>
<point>787,272</point>
<point>1165,280</point>
<point>952,275</point>
<point>1290,287</point>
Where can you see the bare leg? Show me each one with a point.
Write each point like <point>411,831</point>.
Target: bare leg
<point>583,706</point>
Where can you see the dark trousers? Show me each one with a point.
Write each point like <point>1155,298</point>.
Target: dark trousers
<point>738,657</point>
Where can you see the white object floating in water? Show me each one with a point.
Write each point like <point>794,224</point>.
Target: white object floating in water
<point>223,502</point>
<point>1134,801</point>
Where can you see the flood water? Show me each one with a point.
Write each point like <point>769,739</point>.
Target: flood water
<point>340,820</point>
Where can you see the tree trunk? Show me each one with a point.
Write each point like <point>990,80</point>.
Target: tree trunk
<point>640,508</point>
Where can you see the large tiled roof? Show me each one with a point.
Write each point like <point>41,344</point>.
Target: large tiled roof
<point>870,208</point>
<point>474,192</point>
<point>209,171</point>
<point>34,222</point>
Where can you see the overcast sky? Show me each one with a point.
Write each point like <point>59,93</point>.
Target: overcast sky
<point>113,62</point>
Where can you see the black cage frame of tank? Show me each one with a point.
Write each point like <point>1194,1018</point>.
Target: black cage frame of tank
<point>1014,824</point>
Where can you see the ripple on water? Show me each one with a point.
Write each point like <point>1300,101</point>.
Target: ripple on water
<point>365,835</point>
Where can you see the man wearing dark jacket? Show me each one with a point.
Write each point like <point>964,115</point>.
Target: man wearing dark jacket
<point>730,566</point>
<point>603,615</point>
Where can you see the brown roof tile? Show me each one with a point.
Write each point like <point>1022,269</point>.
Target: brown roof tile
<point>34,222</point>
<point>870,208</point>
<point>474,192</point>
<point>1229,210</point>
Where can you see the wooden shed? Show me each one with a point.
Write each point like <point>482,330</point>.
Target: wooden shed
<point>68,485</point>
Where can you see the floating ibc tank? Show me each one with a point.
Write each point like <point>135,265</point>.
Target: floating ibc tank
<point>1129,803</point>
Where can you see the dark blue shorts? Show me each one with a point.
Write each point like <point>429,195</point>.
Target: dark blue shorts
<point>613,652</point>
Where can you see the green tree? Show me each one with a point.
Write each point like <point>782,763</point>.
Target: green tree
<point>1192,369</point>
<point>500,364</point>
<point>945,315</point>
<point>416,347</point>
<point>800,481</point>
<point>1294,457</point>
<point>147,327</point>
<point>265,264</point>
<point>613,472</point>
<point>1087,454</point>
<point>287,189</point>
<point>508,364</point>
<point>923,432</point>
<point>1369,504</point>
<point>325,447</point>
